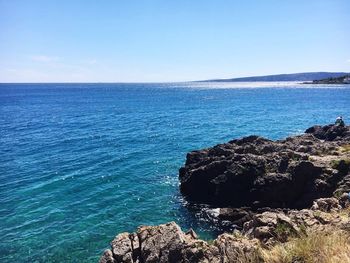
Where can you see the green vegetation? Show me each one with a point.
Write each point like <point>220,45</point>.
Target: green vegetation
<point>338,164</point>
<point>283,231</point>
<point>337,194</point>
<point>317,213</point>
<point>210,241</point>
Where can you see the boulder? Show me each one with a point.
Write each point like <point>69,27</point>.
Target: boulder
<point>329,132</point>
<point>238,216</point>
<point>269,226</point>
<point>167,243</point>
<point>233,247</point>
<point>326,205</point>
<point>107,257</point>
<point>344,200</point>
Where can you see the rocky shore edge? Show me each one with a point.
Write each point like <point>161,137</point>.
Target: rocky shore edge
<point>282,197</point>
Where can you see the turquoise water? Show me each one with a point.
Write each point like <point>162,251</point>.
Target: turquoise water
<point>82,162</point>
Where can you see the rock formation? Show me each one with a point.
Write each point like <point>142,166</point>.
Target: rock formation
<point>167,243</point>
<point>270,191</point>
<point>258,172</point>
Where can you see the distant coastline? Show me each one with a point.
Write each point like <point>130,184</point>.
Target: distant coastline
<point>303,77</point>
<point>339,80</point>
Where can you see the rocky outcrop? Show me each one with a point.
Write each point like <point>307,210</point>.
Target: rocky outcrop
<point>330,133</point>
<point>277,226</point>
<point>167,243</point>
<point>268,191</point>
<point>257,172</point>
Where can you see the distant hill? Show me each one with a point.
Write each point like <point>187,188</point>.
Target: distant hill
<point>306,76</point>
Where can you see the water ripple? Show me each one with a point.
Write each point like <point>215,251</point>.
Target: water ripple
<point>82,162</point>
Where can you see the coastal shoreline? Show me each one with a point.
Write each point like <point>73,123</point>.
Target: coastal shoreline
<point>317,163</point>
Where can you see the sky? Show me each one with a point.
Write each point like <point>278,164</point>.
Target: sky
<point>165,41</point>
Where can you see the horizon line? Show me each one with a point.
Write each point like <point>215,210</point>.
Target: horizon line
<point>184,81</point>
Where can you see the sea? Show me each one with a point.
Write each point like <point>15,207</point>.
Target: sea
<point>80,163</point>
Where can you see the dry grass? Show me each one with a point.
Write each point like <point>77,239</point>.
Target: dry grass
<point>345,148</point>
<point>344,214</point>
<point>320,247</point>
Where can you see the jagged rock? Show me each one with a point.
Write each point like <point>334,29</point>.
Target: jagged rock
<point>344,200</point>
<point>125,247</point>
<point>107,257</point>
<point>163,243</point>
<point>160,244</point>
<point>232,247</point>
<point>329,132</point>
<point>191,233</point>
<point>326,204</point>
<point>237,216</point>
<point>255,184</point>
<point>167,243</point>
<point>257,172</point>
<point>271,225</point>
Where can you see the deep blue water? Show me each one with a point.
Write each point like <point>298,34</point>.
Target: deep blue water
<point>80,163</point>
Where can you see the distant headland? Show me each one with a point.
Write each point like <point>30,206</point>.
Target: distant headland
<point>311,77</point>
<point>333,80</point>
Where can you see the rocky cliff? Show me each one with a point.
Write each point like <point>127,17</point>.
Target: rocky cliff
<point>270,190</point>
<point>306,76</point>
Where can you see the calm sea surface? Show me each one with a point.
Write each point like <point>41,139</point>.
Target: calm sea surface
<point>80,163</point>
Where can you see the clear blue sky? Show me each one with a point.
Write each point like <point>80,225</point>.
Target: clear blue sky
<point>160,40</point>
